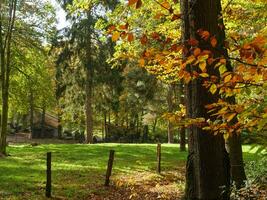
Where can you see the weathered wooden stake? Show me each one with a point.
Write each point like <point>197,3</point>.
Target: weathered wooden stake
<point>109,168</point>
<point>158,158</point>
<point>48,175</point>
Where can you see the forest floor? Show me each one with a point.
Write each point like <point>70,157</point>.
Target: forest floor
<point>78,172</point>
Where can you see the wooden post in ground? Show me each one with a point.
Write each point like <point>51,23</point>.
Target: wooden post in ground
<point>48,176</point>
<point>158,158</point>
<point>109,168</point>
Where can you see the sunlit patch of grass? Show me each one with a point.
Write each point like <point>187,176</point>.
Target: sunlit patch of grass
<point>76,169</point>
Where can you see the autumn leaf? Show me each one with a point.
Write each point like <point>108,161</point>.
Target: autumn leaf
<point>213,41</point>
<point>123,27</point>
<point>230,117</point>
<point>132,2</point>
<point>226,136</point>
<point>142,62</point>
<point>202,66</point>
<point>222,69</point>
<point>213,88</point>
<point>138,4</point>
<point>111,28</point>
<point>166,5</point>
<point>204,75</point>
<point>227,78</point>
<point>193,42</point>
<point>197,51</point>
<point>130,37</point>
<point>144,39</point>
<point>205,35</point>
<point>115,36</point>
<point>175,17</point>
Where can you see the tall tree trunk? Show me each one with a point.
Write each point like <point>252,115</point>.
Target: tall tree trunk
<point>182,129</point>
<point>238,174</point>
<point>207,171</point>
<point>182,139</point>
<point>89,82</point>
<point>236,159</point>
<point>5,62</point>
<point>43,122</point>
<point>170,109</point>
<point>88,104</point>
<point>31,101</point>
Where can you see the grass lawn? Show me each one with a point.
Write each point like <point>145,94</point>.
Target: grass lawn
<point>78,171</point>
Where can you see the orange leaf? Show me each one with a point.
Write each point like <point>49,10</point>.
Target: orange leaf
<point>142,62</point>
<point>124,27</point>
<point>213,41</point>
<point>193,42</point>
<point>202,66</point>
<point>166,5</point>
<point>138,4</point>
<point>130,37</point>
<point>175,17</point>
<point>144,39</point>
<point>131,2</point>
<point>205,34</point>
<point>115,36</point>
<point>230,117</point>
<point>197,51</point>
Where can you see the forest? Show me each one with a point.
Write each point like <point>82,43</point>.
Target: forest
<point>133,99</point>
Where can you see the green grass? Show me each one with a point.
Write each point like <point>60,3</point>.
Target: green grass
<point>79,170</point>
<point>76,168</point>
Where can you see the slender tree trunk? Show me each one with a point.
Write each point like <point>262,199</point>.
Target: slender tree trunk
<point>43,122</point>
<point>5,62</point>
<point>182,129</point>
<point>89,83</point>
<point>89,108</point>
<point>182,139</point>
<point>207,171</point>
<point>31,112</point>
<point>170,109</point>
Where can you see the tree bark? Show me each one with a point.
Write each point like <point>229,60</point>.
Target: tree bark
<point>170,109</point>
<point>5,62</point>
<point>207,171</point>
<point>182,129</point>
<point>238,174</point>
<point>31,112</point>
<point>89,83</point>
<point>43,122</point>
<point>89,108</point>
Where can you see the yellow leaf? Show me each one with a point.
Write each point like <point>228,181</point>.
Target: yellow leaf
<point>115,36</point>
<point>202,66</point>
<point>204,75</point>
<point>222,69</point>
<point>227,78</point>
<point>230,117</point>
<point>226,136</point>
<point>142,62</point>
<point>213,88</point>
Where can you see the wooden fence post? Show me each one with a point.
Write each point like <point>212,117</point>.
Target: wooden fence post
<point>109,168</point>
<point>158,158</point>
<point>48,175</point>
